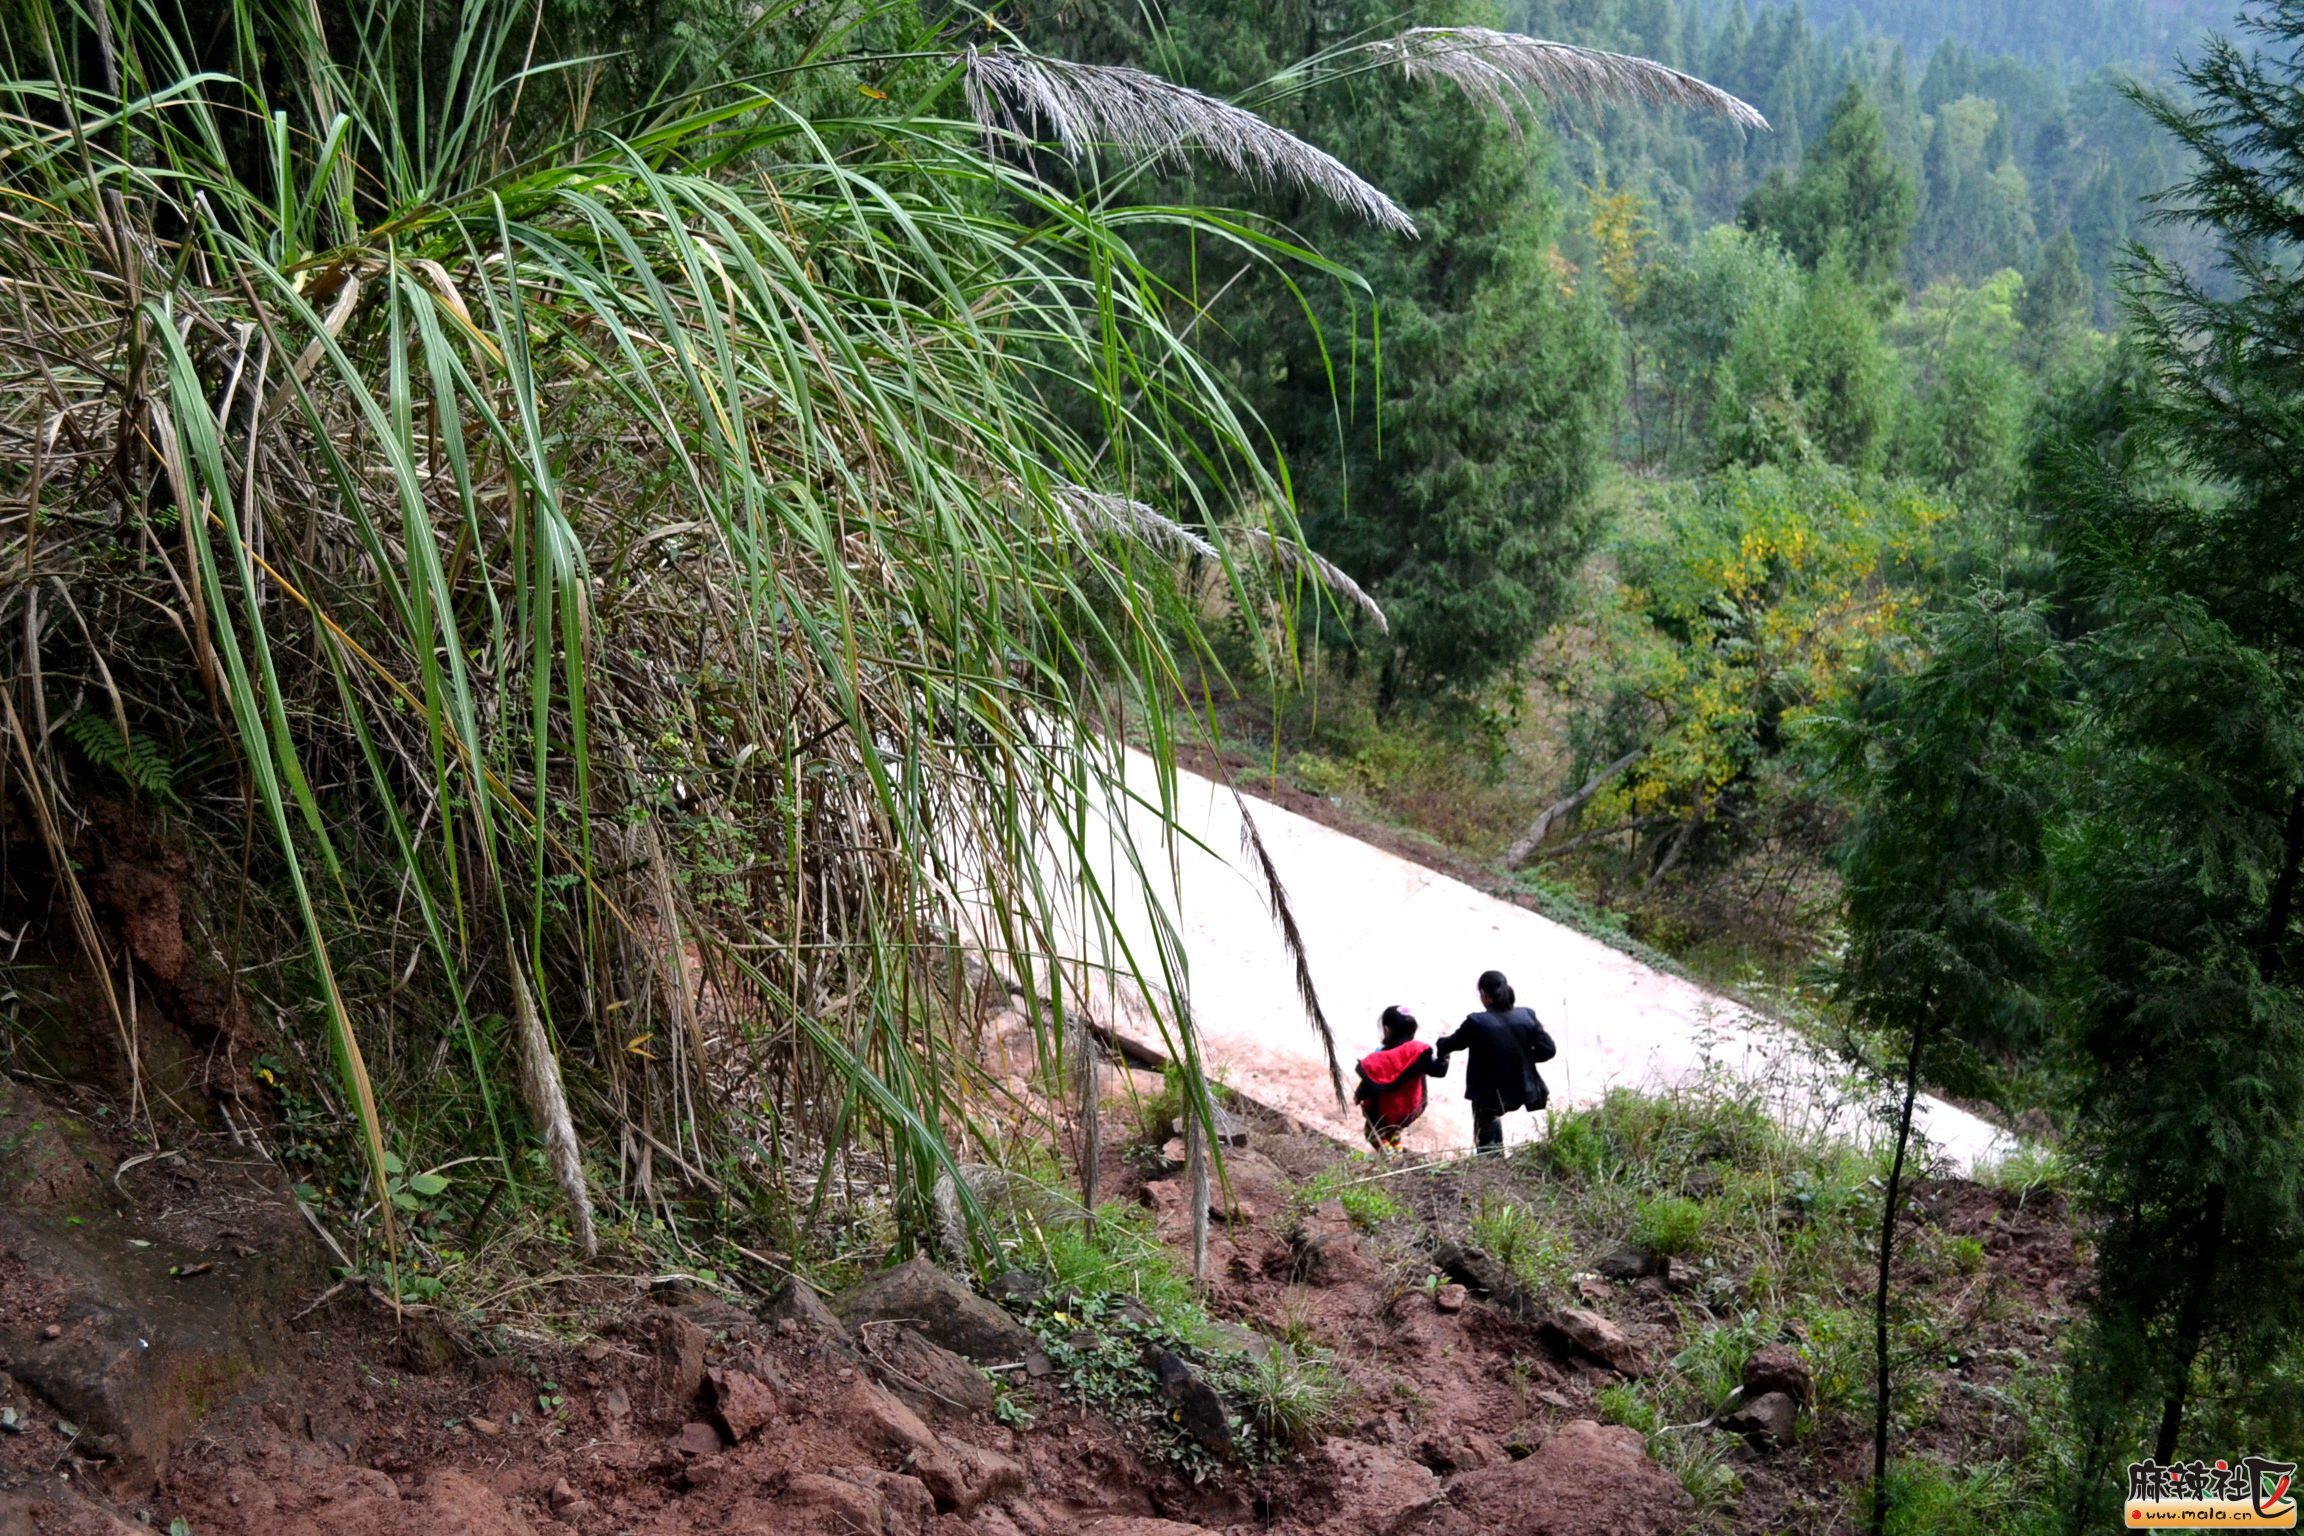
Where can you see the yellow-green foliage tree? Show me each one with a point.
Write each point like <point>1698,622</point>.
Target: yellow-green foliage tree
<point>1737,607</point>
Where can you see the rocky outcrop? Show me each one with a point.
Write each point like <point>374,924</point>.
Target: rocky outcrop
<point>924,1373</point>
<point>943,1310</point>
<point>1377,1491</point>
<point>1584,1477</point>
<point>1193,1404</point>
<point>1328,1251</point>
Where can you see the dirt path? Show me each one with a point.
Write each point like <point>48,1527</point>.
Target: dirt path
<point>1381,929</point>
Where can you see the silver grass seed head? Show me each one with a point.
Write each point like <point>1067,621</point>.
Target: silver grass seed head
<point>1009,91</point>
<point>1500,69</point>
<point>1088,512</point>
<point>1321,569</point>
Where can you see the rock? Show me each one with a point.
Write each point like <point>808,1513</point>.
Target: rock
<point>1631,1263</point>
<point>562,1495</point>
<point>697,1438</point>
<point>1231,1335</point>
<point>676,1346</point>
<point>1016,1289</point>
<point>815,1505</point>
<point>944,1310</point>
<point>1451,1297</point>
<point>743,1403</point>
<point>118,1349</point>
<point>1199,1411</point>
<point>1249,1188</point>
<point>1458,1450</point>
<point>1767,1420</point>
<point>1594,1289</point>
<point>42,1171</point>
<point>799,1306</point>
<point>910,1505</point>
<point>1328,1251</point>
<point>966,1478</point>
<point>1484,1275</point>
<point>722,1319</point>
<point>481,1425</point>
<point>1588,1333</point>
<point>924,1373</point>
<point>615,1406</point>
<point>1377,1491</point>
<point>1779,1368</point>
<point>57,1511</point>
<point>1229,1129</point>
<point>445,1504</point>
<point>1584,1477</point>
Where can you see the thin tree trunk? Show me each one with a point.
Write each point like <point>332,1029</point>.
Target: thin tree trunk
<point>1560,810</point>
<point>1196,1183</point>
<point>1665,865</point>
<point>2191,1323</point>
<point>1893,1198</point>
<point>2282,907</point>
<point>1086,1061</point>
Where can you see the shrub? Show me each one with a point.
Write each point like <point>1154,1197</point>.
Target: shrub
<point>1927,1498</point>
<point>1671,1225</point>
<point>1541,1255</point>
<point>1366,1201</point>
<point>2028,1170</point>
<point>1290,1396</point>
<point>1622,1403</point>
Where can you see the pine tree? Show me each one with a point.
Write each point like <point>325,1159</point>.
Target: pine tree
<point>1942,870</point>
<point>2180,872</point>
<point>2057,305</point>
<point>1852,196</point>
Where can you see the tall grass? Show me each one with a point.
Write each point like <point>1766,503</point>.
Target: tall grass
<point>666,571</point>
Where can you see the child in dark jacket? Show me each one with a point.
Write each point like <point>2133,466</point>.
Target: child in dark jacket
<point>1391,1091</point>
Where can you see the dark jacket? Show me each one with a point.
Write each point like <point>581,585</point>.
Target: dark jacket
<point>1502,1050</point>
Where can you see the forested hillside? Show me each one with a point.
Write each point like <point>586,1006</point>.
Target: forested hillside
<point>2065,37</point>
<point>2010,148</point>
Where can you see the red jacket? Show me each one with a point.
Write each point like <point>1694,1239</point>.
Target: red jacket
<point>1392,1082</point>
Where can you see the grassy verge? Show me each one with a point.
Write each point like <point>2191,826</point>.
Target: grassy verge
<point>1769,1240</point>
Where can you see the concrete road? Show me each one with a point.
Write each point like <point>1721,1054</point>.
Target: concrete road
<point>1379,929</point>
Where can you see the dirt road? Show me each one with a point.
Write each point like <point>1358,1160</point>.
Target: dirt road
<point>1379,929</point>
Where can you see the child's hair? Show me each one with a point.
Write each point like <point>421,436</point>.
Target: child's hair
<point>1495,990</point>
<point>1399,1024</point>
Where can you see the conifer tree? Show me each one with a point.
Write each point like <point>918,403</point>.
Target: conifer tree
<point>1942,866</point>
<point>1852,196</point>
<point>2179,873</point>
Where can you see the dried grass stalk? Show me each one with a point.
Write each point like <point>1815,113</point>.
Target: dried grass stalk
<point>548,1107</point>
<point>1276,897</point>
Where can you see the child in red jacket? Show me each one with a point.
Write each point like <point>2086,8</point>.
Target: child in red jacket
<point>1391,1091</point>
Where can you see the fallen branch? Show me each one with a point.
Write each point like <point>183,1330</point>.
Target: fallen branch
<point>1560,810</point>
